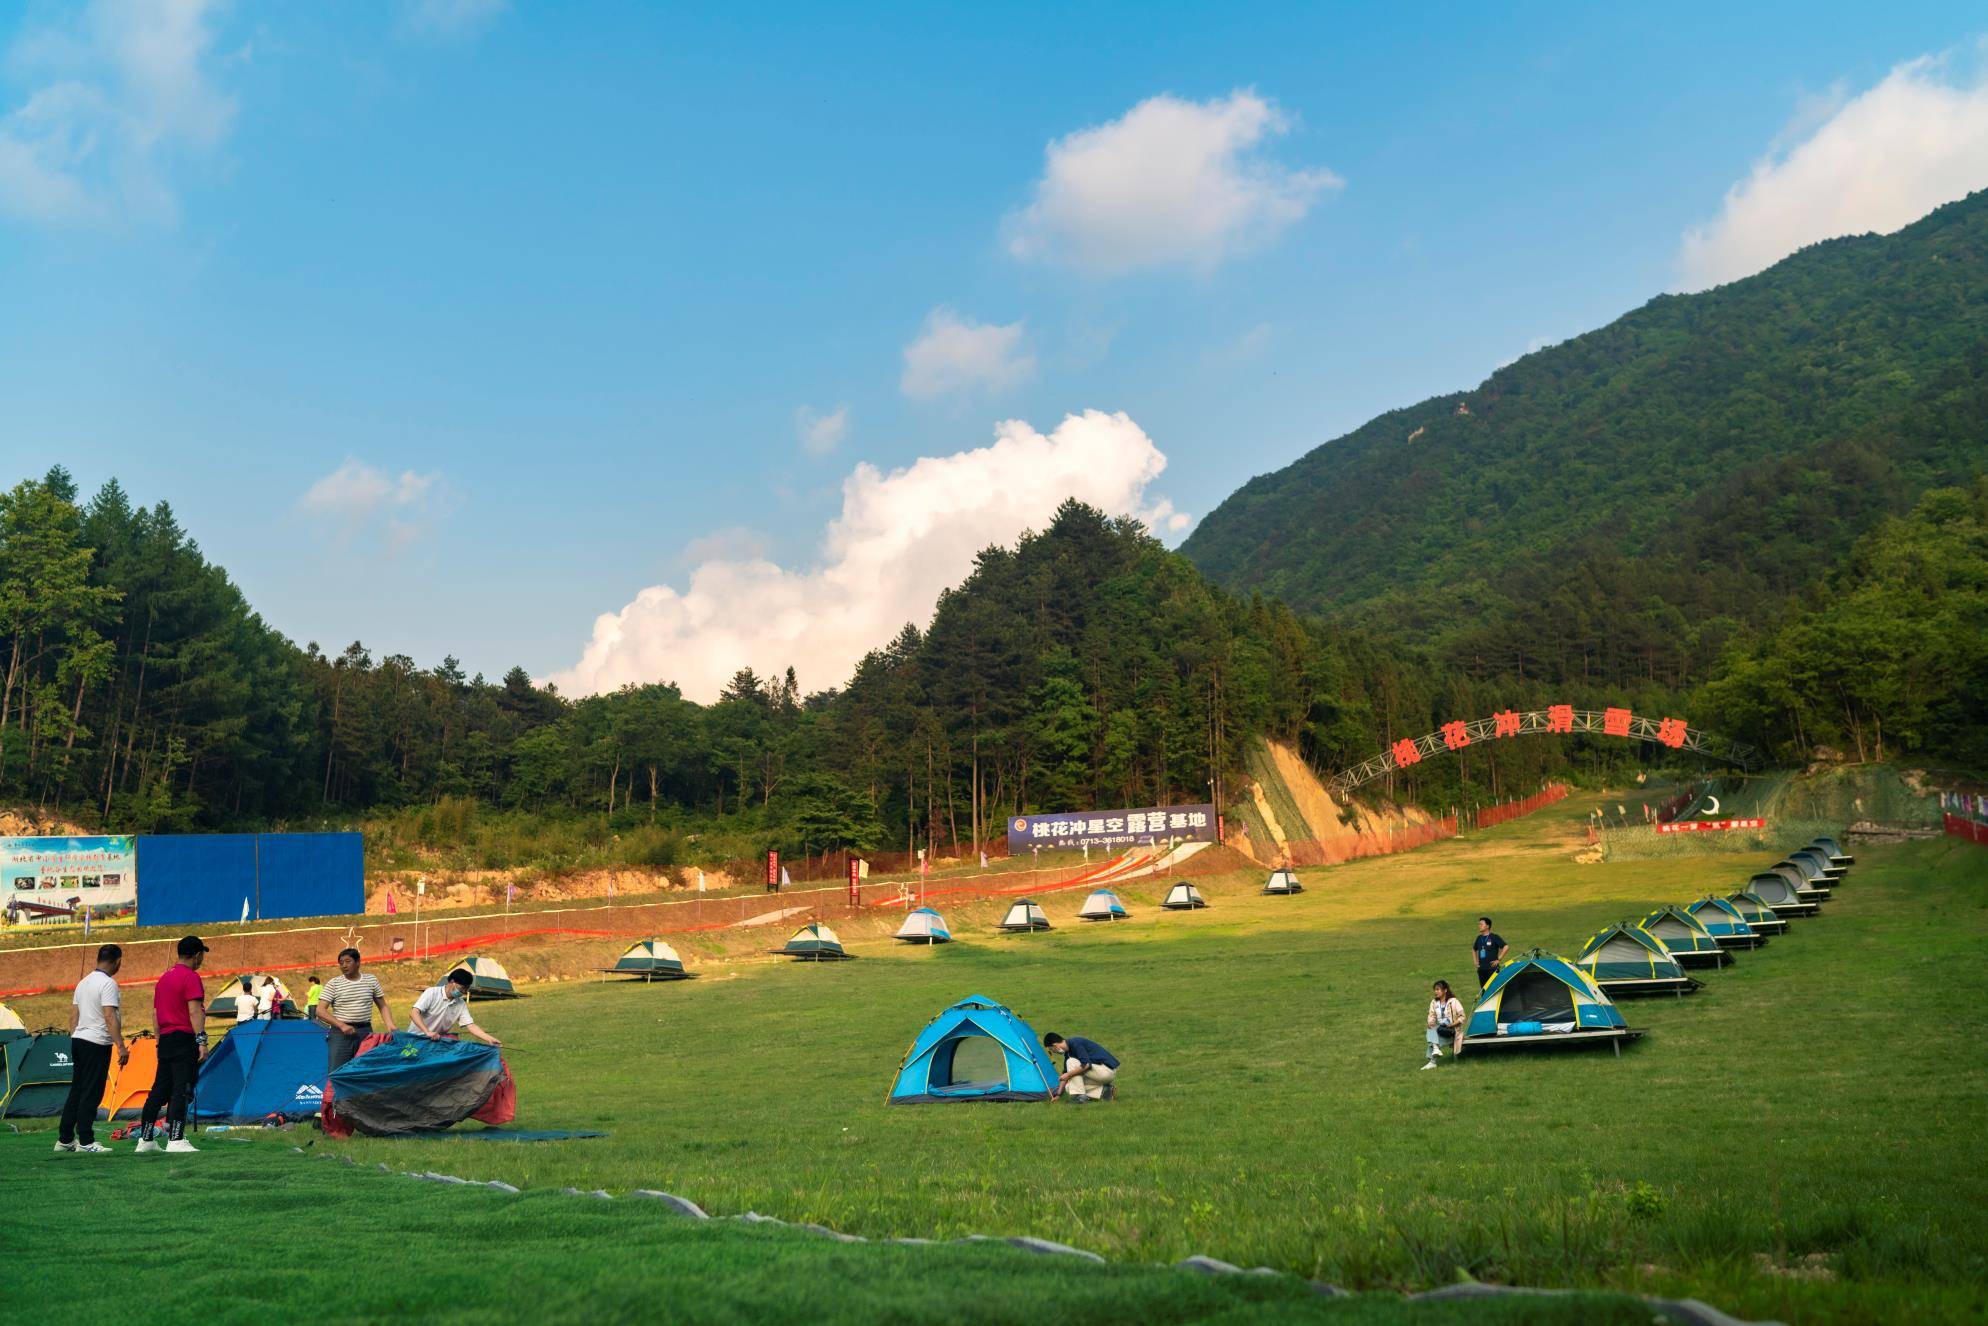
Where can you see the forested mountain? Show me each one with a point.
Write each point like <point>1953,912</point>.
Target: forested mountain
<point>1618,508</point>
<point>1087,666</point>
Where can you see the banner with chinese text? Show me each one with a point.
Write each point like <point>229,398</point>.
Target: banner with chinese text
<point>1112,828</point>
<point>60,881</point>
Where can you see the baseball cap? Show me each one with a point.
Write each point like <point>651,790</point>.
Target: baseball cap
<point>190,946</point>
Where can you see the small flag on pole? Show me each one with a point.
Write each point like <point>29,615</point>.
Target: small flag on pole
<point>245,909</point>
<point>785,879</point>
<point>393,904</point>
<point>983,860</point>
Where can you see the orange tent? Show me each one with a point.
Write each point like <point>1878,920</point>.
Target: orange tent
<point>126,1088</point>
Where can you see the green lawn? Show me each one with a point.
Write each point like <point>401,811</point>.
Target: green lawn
<point>1799,1140</point>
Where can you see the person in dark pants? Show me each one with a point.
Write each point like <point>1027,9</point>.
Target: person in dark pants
<point>1490,948</point>
<point>96,1032</point>
<point>1089,1070</point>
<point>346,1010</point>
<point>179,1011</point>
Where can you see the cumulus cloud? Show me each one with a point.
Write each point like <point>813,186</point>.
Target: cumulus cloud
<point>821,433</point>
<point>1874,162</point>
<point>449,19</point>
<point>362,503</point>
<point>1169,183</point>
<point>952,354</point>
<point>122,91</point>
<point>899,540</point>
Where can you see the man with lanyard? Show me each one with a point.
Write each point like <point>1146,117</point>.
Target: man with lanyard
<point>1088,1068</point>
<point>443,1009</point>
<point>346,1010</point>
<point>96,1031</point>
<point>1490,948</point>
<point>179,1011</point>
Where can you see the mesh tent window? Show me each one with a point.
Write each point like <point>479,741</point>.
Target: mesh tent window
<point>1535,996</point>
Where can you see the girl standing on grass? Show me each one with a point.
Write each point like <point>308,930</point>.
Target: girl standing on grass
<point>1445,1023</point>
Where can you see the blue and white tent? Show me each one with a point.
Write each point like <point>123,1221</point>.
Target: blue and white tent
<point>975,1050</point>
<point>1539,1000</point>
<point>261,1069</point>
<point>924,925</point>
<point>1103,905</point>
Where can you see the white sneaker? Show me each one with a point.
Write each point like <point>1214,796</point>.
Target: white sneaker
<point>145,1144</point>
<point>179,1146</point>
<point>93,1149</point>
<point>1436,1053</point>
<point>61,1147</point>
<point>1431,1064</point>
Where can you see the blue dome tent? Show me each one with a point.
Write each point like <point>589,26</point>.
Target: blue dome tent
<point>975,1050</point>
<point>260,1069</point>
<point>1542,1000</point>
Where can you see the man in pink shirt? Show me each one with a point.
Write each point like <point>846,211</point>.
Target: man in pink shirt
<point>179,1011</point>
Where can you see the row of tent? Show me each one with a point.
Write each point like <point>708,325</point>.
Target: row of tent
<point>1543,999</point>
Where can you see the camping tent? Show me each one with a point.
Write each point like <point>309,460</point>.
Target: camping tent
<point>1725,923</point>
<point>1757,913</point>
<point>11,1027</point>
<point>36,1079</point>
<point>1282,880</point>
<point>1807,879</point>
<point>1781,896</point>
<point>1835,851</point>
<point>1103,905</point>
<point>1686,937</point>
<point>406,1083</point>
<point>490,980</point>
<point>1624,959</point>
<point>125,1088</point>
<point>1025,915</point>
<point>975,1050</point>
<point>1544,1000</point>
<point>922,925</point>
<point>652,960</point>
<point>1815,856</point>
<point>221,1004</point>
<point>1183,897</point>
<point>260,1069</point>
<point>814,942</point>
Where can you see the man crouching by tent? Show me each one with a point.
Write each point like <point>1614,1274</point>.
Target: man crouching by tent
<point>1088,1068</point>
<point>444,1009</point>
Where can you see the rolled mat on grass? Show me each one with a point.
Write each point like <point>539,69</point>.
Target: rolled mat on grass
<point>402,1083</point>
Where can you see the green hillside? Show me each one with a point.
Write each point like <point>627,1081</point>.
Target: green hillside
<point>1614,508</point>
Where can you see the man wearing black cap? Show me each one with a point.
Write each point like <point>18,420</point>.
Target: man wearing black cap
<point>179,1011</point>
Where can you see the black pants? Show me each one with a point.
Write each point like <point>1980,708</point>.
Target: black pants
<point>1484,975</point>
<point>339,1047</point>
<point>172,1088</point>
<point>91,1068</point>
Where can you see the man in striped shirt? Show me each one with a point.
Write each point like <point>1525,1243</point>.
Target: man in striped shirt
<point>346,1010</point>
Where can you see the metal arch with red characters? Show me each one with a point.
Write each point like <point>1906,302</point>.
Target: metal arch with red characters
<point>1556,719</point>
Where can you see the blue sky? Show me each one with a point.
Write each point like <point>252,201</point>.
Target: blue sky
<point>450,325</point>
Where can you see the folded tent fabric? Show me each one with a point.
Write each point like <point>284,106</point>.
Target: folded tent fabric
<point>403,1083</point>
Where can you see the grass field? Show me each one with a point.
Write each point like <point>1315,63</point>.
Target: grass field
<point>1799,1140</point>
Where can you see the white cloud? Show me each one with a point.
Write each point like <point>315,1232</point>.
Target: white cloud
<point>954,354</point>
<point>361,502</point>
<point>900,539</point>
<point>1170,183</point>
<point>449,19</point>
<point>122,94</point>
<point>821,433</point>
<point>1874,162</point>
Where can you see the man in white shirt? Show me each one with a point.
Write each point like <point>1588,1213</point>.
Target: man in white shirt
<point>443,1009</point>
<point>245,1002</point>
<point>96,1031</point>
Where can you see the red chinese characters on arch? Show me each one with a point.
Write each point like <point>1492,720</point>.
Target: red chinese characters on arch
<point>1560,718</point>
<point>1405,753</point>
<point>1615,722</point>
<point>1671,732</point>
<point>1507,723</point>
<point>1455,736</point>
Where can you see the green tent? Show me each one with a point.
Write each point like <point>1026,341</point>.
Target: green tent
<point>1725,923</point>
<point>814,943</point>
<point>1757,913</point>
<point>651,960</point>
<point>36,1082</point>
<point>1625,959</point>
<point>1686,938</point>
<point>490,980</point>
